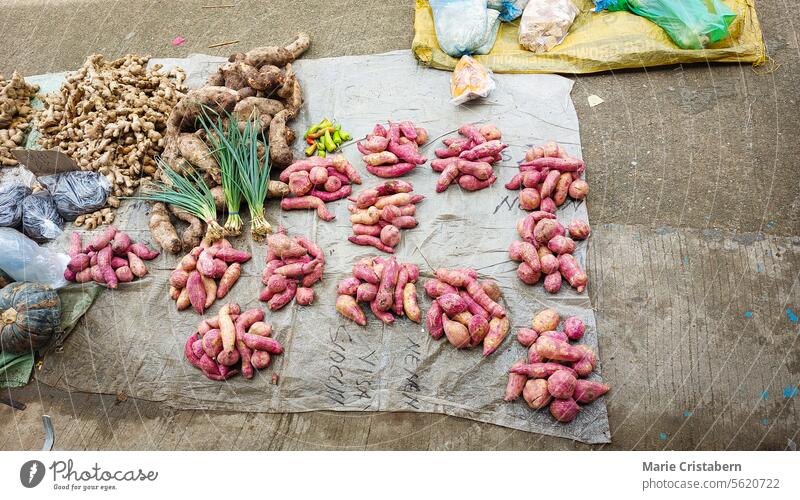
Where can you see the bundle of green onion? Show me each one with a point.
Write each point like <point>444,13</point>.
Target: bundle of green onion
<point>253,176</point>
<point>188,191</point>
<point>225,139</point>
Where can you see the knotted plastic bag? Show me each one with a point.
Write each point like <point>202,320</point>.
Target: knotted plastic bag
<point>11,196</point>
<point>545,23</point>
<point>40,219</point>
<point>465,27</point>
<point>691,24</point>
<point>77,193</point>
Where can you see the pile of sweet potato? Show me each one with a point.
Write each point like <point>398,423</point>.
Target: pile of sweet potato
<point>546,249</point>
<point>293,265</point>
<point>468,160</point>
<point>389,287</point>
<point>466,310</point>
<point>547,177</point>
<point>206,274</point>
<point>109,259</point>
<point>316,181</point>
<point>232,342</point>
<point>555,372</point>
<point>393,152</point>
<point>381,212</point>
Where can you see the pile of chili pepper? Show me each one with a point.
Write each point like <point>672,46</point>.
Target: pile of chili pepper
<point>325,137</point>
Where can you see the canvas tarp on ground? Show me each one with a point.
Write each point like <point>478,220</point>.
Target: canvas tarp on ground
<point>132,339</point>
<point>598,42</point>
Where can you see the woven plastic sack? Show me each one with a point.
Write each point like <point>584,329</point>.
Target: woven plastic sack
<point>691,24</point>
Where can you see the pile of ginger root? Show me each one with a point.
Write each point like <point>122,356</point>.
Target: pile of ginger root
<point>15,115</point>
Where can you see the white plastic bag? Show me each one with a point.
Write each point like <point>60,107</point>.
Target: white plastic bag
<point>24,260</point>
<point>463,26</point>
<point>545,23</point>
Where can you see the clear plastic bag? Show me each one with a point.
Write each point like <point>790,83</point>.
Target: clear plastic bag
<point>691,24</point>
<point>11,196</point>
<point>470,80</point>
<point>77,193</point>
<point>461,25</point>
<point>509,9</point>
<point>545,23</point>
<point>40,219</point>
<point>24,260</point>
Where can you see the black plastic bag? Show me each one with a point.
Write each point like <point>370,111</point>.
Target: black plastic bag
<point>11,196</point>
<point>40,219</point>
<point>77,193</point>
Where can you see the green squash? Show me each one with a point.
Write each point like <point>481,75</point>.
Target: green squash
<point>30,314</point>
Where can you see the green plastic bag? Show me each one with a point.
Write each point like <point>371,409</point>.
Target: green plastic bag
<point>692,24</point>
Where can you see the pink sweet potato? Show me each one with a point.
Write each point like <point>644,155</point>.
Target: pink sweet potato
<point>574,328</point>
<point>527,274</point>
<point>120,244</point>
<point>196,291</point>
<point>404,222</point>
<point>548,261</point>
<point>478,327</point>
<point>561,245</point>
<point>473,307</point>
<point>561,384</point>
<point>260,360</point>
<point>479,170</point>
<point>104,256</point>
<point>74,247</point>
<point>456,333</point>
<point>232,255</point>
<point>435,288</point>
<point>476,292</point>
<point>586,365</point>
<point>366,273</point>
<point>79,262</point>
<point>124,274</point>
<point>452,304</point>
<point>259,343</point>
<point>142,251</point>
<point>587,391</point>
<point>529,199</point>
<point>318,175</point>
<point>490,132</point>
<point>527,336</point>
<point>448,175</point>
<point>535,393</point>
<point>103,239</point>
<point>434,321</point>
<point>281,299</point>
<point>471,183</point>
<point>578,189</point>
<point>407,152</point>
<point>304,296</point>
<point>564,410</point>
<point>544,320</point>
<point>516,383</point>
<point>385,297</point>
<point>400,285</point>
<point>228,279</point>
<point>540,370</point>
<point>552,282</point>
<point>533,355</point>
<point>548,205</point>
<point>347,306</point>
<point>305,203</point>
<point>498,329</point>
<point>384,316</point>
<point>491,288</point>
<point>471,132</point>
<point>545,230</point>
<point>300,183</point>
<point>347,286</point>
<point>212,343</point>
<point>261,329</point>
<point>390,235</point>
<point>572,272</point>
<point>374,144</point>
<point>382,158</point>
<point>330,196</point>
<point>488,148</point>
<point>366,230</point>
<point>365,240</point>
<point>578,229</point>
<point>332,184</point>
<point>555,350</point>
<point>228,358</point>
<point>410,305</point>
<point>453,277</point>
<point>109,276</point>
<point>554,334</point>
<point>562,188</point>
<point>365,292</point>
<point>557,164</point>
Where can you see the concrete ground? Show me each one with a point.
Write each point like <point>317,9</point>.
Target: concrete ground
<point>695,256</point>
